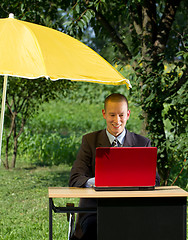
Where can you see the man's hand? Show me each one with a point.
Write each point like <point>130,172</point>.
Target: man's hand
<point>90,183</point>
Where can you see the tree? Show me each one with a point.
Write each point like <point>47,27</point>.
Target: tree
<point>24,98</point>
<point>150,35</point>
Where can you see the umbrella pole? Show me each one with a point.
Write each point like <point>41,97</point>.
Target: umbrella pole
<point>3,111</point>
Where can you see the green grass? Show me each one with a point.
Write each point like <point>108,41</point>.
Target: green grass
<point>24,202</point>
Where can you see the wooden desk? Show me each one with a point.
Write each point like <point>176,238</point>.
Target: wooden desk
<point>157,214</point>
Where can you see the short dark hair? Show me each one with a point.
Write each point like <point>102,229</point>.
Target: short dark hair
<point>115,97</point>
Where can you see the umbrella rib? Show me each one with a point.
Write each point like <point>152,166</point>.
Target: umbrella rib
<point>39,48</point>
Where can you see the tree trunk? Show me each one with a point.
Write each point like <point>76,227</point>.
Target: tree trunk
<point>6,164</point>
<point>14,153</point>
<point>16,136</point>
<point>15,147</point>
<point>13,117</point>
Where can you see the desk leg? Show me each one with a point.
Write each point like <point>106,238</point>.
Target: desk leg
<point>50,218</point>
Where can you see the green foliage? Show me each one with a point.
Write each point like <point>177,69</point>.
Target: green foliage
<point>26,95</point>
<point>36,11</point>
<point>23,100</point>
<point>165,103</point>
<point>48,150</point>
<point>65,117</point>
<point>53,136</point>
<point>175,117</point>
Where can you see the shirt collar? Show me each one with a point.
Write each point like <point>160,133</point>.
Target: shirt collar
<point>120,138</point>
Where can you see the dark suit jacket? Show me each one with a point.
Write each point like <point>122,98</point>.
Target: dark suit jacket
<point>84,166</point>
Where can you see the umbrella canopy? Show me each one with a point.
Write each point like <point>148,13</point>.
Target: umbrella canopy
<point>32,51</point>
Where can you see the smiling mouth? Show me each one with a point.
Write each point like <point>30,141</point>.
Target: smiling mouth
<point>116,126</point>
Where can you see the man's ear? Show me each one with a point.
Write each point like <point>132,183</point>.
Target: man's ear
<point>128,114</point>
<point>103,113</point>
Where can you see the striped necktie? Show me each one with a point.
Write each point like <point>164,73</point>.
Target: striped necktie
<point>115,143</point>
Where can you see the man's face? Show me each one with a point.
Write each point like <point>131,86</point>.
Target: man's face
<point>116,115</point>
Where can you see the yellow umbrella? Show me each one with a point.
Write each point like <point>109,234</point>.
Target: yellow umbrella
<point>31,51</point>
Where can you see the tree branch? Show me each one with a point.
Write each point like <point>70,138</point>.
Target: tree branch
<point>137,21</point>
<point>149,27</point>
<point>9,107</point>
<point>165,25</point>
<point>21,106</point>
<point>21,128</point>
<point>112,33</point>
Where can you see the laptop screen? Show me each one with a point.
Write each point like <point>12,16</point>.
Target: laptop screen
<point>125,166</point>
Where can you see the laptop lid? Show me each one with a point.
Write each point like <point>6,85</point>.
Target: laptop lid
<point>125,167</point>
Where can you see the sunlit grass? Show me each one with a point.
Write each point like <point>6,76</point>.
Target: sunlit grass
<point>24,202</point>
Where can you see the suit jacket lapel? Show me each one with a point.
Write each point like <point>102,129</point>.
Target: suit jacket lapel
<point>129,140</point>
<point>102,140</point>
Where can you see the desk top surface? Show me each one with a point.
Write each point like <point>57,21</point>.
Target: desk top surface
<point>67,192</point>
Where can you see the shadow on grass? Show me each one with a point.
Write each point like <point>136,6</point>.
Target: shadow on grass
<point>28,168</point>
<point>59,179</point>
<point>56,176</point>
<point>38,177</point>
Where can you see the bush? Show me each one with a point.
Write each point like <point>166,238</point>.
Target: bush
<point>53,149</point>
<point>54,135</point>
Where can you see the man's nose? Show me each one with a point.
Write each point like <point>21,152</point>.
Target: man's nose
<point>117,119</point>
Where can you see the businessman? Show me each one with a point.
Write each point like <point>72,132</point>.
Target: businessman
<point>116,114</point>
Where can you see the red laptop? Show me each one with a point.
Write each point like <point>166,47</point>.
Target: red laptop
<point>125,168</point>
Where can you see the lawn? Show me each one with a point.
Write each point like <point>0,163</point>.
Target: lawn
<point>24,202</point>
